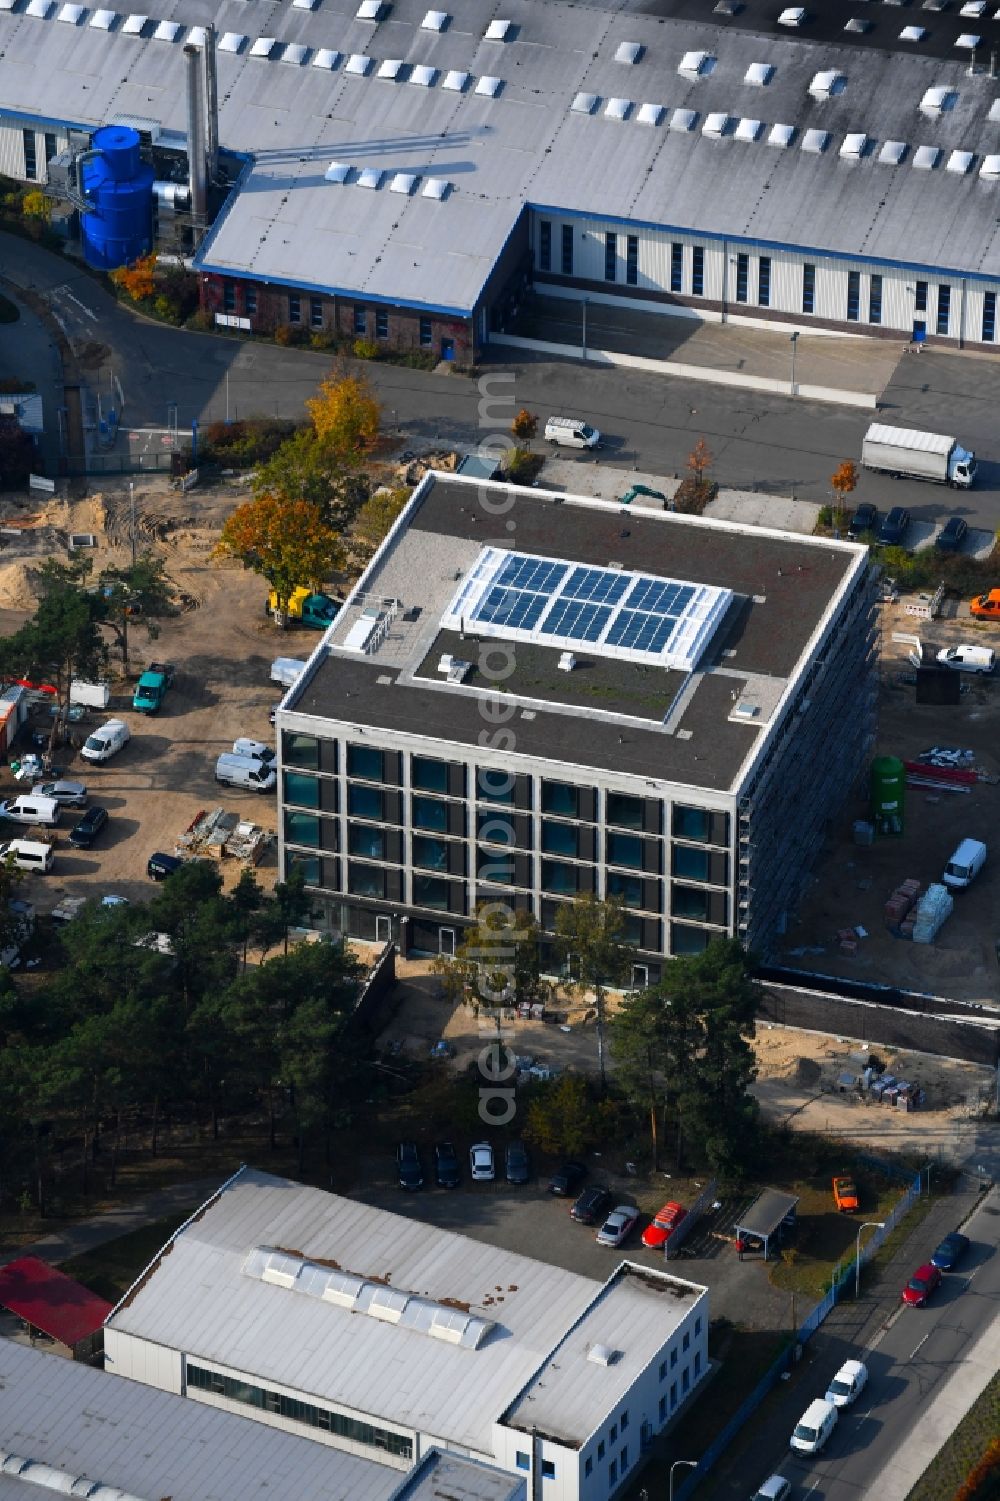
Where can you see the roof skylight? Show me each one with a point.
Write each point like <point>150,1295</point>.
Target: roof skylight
<point>585,104</point>
<point>628,52</point>
<point>684,119</point>
<point>926,157</point>
<point>854,146</point>
<point>815,141</point>
<point>391,69</point>
<point>423,76</point>
<point>959,162</point>
<point>326,57</point>
<point>305,4</point>
<point>369,10</point>
<point>912,34</point>
<point>892,153</point>
<point>232,41</point>
<point>716,124</point>
<point>990,168</point>
<point>617,109</point>
<point>497,31</point>
<point>973,9</point>
<point>793,16</point>
<point>435,187</point>
<point>39,8</point>
<point>455,81</point>
<point>131,26</point>
<point>166,31</point>
<point>294,53</point>
<point>968,40</point>
<point>695,64</point>
<point>748,130</point>
<point>370,177</point>
<point>403,182</point>
<point>994,113</point>
<point>490,87</point>
<point>263,46</point>
<point>857,26</point>
<point>781,135</point>
<point>358,64</point>
<point>650,114</point>
<point>758,75</point>
<point>337,172</point>
<point>828,83</point>
<point>937,99</point>
<point>435,20</point>
<point>103,20</point>
<point>197,36</point>
<point>71,14</point>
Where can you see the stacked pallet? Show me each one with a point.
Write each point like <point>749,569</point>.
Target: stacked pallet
<point>935,907</point>
<point>901,902</point>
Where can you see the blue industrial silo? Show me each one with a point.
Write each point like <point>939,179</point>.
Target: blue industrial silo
<point>118,229</point>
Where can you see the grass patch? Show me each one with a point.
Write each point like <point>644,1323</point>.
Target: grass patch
<point>962,1451</point>
<point>826,1237</point>
<point>8,312</point>
<point>110,1270</point>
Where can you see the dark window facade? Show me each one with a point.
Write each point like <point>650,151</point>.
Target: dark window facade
<point>688,940</point>
<point>676,268</point>
<point>698,271</point>
<point>742,278</point>
<point>51,148</point>
<point>428,775</point>
<point>299,1412</point>
<point>560,838</point>
<point>943,308</point>
<point>764,281</point>
<point>430,854</point>
<point>567,250</point>
<point>361,321</point>
<point>440,896</point>
<point>301,791</point>
<point>628,888</point>
<point>625,849</point>
<point>365,761</point>
<point>989,317</point>
<point>920,300</point>
<point>300,750</point>
<point>853,296</point>
<point>625,811</point>
<point>493,786</point>
<point>429,813</point>
<point>30,155</point>
<point>875,299</point>
<point>808,288</point>
<point>365,802</point>
<point>365,880</point>
<point>316,312</point>
<point>381,323</point>
<point>294,308</point>
<point>561,798</point>
<point>250,300</point>
<point>302,828</point>
<point>366,840</point>
<point>632,260</point>
<point>545,246</point>
<point>610,257</point>
<point>426,333</point>
<point>229,297</point>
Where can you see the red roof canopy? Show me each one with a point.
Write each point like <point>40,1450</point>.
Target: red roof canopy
<point>50,1301</point>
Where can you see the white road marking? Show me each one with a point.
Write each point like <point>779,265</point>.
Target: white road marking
<point>865,1415</point>
<point>811,1488</point>
<point>922,1342</point>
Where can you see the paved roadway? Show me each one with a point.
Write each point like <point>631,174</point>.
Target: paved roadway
<point>924,1374</point>
<point>651,422</point>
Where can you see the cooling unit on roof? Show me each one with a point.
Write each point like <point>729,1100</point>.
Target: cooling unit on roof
<point>969,41</point>
<point>358,64</point>
<point>435,20</point>
<point>435,187</point>
<point>827,83</point>
<point>716,124</point>
<point>403,182</point>
<point>584,104</point>
<point>628,52</point>
<point>103,20</point>
<point>959,162</point>
<point>781,135</point>
<point>912,34</point>
<point>337,172</point>
<point>263,46</point>
<point>497,31</point>
<point>370,177</point>
<point>650,114</point>
<point>892,153</point>
<point>758,75</point>
<point>294,53</point>
<point>455,81</point>
<point>816,141</point>
<point>854,146</point>
<point>231,42</point>
<point>990,168</point>
<point>166,31</point>
<point>684,119</point>
<point>489,87</point>
<point>694,64</point>
<point>632,617</point>
<point>793,16</point>
<point>926,157</point>
<point>326,57</point>
<point>617,109</point>
<point>748,130</point>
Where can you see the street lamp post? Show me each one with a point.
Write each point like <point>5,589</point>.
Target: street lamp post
<point>584,332</point>
<point>692,1464</point>
<point>793,340</point>
<point>867,1225</point>
<point>131,504</point>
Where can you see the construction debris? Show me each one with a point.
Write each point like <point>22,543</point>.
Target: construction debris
<point>218,833</point>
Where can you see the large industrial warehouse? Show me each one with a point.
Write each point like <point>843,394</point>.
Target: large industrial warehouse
<point>403,174</point>
<point>387,1339</point>
<point>627,702</point>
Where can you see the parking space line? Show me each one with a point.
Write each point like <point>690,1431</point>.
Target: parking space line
<point>922,1342</point>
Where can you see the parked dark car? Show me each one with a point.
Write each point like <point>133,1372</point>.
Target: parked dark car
<point>446,1168</point>
<point>592,1205</point>
<point>517,1163</point>
<point>85,830</point>
<point>894,527</point>
<point>950,1252</point>
<point>865,519</point>
<point>408,1166</point>
<point>159,866</point>
<point>567,1179</point>
<point>952,534</point>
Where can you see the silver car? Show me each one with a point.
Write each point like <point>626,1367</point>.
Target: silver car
<point>618,1226</point>
<point>481,1164</point>
<point>68,794</point>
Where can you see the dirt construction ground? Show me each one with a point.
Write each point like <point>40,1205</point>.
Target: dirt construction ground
<point>850,883</point>
<point>222,646</point>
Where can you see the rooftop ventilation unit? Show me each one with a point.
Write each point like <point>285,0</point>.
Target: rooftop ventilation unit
<point>684,119</point>
<point>337,172</point>
<point>435,20</point>
<point>358,64</point>
<point>602,1355</point>
<point>828,83</point>
<point>816,141</point>
<point>990,168</point>
<point>716,124</point>
<point>342,1289</point>
<point>103,20</point>
<point>585,104</point>
<point>391,69</point>
<point>326,57</point>
<point>263,46</point>
<point>617,109</point>
<point>497,31</point>
<point>490,87</point>
<point>695,64</point>
<point>294,53</point>
<point>926,157</point>
<point>854,146</point>
<point>455,81</point>
<point>781,135</point>
<point>968,41</point>
<point>628,52</point>
<point>131,26</point>
<point>370,177</point>
<point>232,41</point>
<point>758,75</point>
<point>959,162</point>
<point>423,76</point>
<point>388,1304</point>
<point>403,182</point>
<point>744,709</point>
<point>912,34</point>
<point>793,16</point>
<point>369,10</point>
<point>166,31</point>
<point>436,187</point>
<point>857,26</point>
<point>892,153</point>
<point>937,99</point>
<point>650,114</point>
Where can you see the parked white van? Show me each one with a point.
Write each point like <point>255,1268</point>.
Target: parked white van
<point>27,808</point>
<point>968,658</point>
<point>27,854</point>
<point>107,741</point>
<point>814,1427</point>
<point>965,864</point>
<point>571,432</point>
<point>253,750</point>
<point>244,771</point>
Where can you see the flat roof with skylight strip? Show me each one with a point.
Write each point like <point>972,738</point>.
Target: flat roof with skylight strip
<point>614,613</point>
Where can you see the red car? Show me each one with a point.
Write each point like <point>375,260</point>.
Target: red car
<point>920,1286</point>
<point>664,1224</point>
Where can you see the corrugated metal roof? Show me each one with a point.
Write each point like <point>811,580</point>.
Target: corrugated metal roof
<point>49,1300</point>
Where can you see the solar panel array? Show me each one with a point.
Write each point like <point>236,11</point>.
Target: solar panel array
<point>566,605</point>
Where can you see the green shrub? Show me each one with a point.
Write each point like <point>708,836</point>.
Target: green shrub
<point>365,349</point>
<point>521,466</point>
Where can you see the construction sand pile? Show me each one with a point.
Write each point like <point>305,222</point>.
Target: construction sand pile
<point>17,586</point>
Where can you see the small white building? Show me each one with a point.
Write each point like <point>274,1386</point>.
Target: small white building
<point>387,1338</point>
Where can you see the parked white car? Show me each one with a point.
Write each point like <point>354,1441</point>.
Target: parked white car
<point>68,794</point>
<point>775,1488</point>
<point>107,741</point>
<point>849,1383</point>
<point>481,1163</point>
<point>618,1226</point>
<point>814,1427</point>
<point>968,658</point>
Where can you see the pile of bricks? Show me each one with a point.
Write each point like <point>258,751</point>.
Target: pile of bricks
<point>900,904</point>
<point>847,941</point>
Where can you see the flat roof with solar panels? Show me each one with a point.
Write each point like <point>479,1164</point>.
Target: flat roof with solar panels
<point>623,639</point>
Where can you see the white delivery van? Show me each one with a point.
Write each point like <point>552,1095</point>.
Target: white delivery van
<point>253,750</point>
<point>27,808</point>
<point>571,432</point>
<point>286,671</point>
<point>244,771</point>
<point>107,741</point>
<point>965,864</point>
<point>814,1427</point>
<point>27,854</point>
<point>968,658</point>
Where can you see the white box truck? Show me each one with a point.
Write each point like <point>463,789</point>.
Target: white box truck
<point>907,454</point>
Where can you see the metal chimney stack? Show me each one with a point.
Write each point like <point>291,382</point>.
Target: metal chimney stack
<point>196,136</point>
<point>212,103</point>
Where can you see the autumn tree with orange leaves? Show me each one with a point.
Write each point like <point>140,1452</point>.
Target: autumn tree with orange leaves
<point>286,541</point>
<point>843,482</point>
<point>346,416</point>
<point>137,280</point>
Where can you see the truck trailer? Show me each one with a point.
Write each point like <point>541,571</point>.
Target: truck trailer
<point>903,452</point>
